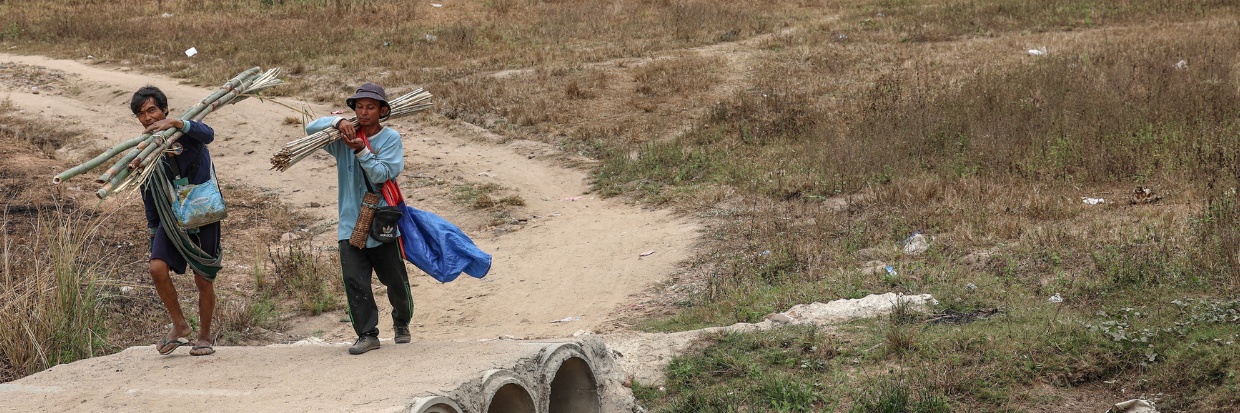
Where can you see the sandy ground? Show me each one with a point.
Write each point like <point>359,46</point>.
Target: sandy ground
<point>575,260</point>
<point>577,257</point>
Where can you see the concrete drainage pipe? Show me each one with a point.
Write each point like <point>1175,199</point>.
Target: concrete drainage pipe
<point>434,404</point>
<point>569,380</point>
<point>504,392</point>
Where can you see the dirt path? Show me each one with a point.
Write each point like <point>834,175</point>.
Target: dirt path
<point>575,257</point>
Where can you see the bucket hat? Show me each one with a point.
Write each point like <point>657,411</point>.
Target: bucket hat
<point>368,90</point>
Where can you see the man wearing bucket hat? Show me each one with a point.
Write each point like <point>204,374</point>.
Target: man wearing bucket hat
<point>361,169</point>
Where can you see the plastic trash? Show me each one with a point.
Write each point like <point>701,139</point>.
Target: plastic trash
<point>891,271</point>
<point>191,52</point>
<point>915,244</point>
<point>1181,65</point>
<point>1038,52</point>
<point>1133,406</point>
<point>1056,299</point>
<point>909,239</point>
<point>1092,201</point>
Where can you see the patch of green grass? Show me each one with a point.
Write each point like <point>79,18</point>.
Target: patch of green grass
<point>771,372</point>
<point>476,196</point>
<point>892,395</point>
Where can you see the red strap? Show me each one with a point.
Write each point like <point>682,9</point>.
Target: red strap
<point>391,191</point>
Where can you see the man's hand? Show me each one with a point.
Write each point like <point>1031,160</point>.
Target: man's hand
<point>350,138</point>
<point>165,124</point>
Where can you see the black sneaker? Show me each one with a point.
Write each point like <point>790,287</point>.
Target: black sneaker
<point>402,335</point>
<point>364,344</point>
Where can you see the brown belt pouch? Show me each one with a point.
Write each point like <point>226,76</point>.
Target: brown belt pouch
<point>365,214</point>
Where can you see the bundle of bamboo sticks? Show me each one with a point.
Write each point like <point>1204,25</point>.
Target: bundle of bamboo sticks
<point>299,149</point>
<point>146,149</point>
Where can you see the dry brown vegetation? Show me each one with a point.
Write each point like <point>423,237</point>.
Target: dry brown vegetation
<point>75,282</point>
<point>814,136</point>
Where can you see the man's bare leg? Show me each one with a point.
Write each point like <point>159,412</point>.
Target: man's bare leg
<point>168,294</point>
<point>206,311</point>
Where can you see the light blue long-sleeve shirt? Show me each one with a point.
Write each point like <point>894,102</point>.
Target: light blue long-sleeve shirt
<point>384,161</point>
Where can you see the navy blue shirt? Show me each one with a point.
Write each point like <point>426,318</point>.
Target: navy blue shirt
<point>194,163</point>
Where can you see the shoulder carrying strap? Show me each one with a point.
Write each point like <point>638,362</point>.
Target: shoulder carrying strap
<point>176,165</point>
<point>365,178</point>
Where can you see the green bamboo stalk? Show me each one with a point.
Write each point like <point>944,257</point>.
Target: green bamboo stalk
<point>229,87</point>
<point>99,160</point>
<point>129,156</point>
<point>148,157</point>
<point>216,100</point>
<point>202,109</point>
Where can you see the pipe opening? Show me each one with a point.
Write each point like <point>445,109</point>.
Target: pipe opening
<point>434,404</point>
<point>574,389</point>
<point>441,408</point>
<point>511,398</point>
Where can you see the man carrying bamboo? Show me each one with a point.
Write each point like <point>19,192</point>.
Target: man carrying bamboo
<point>187,162</point>
<point>362,168</point>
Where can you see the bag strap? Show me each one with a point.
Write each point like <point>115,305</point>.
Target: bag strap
<point>176,165</point>
<point>391,190</point>
<point>391,193</point>
<point>365,178</point>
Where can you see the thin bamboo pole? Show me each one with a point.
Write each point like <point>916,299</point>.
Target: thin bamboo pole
<point>296,150</point>
<point>99,160</point>
<point>228,86</point>
<point>147,159</point>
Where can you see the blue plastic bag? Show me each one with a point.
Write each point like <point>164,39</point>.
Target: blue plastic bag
<point>439,248</point>
<point>196,205</point>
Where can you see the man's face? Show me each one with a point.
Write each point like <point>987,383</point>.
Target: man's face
<point>150,113</point>
<point>368,111</point>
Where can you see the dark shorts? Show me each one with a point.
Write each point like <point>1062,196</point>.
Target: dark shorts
<point>207,238</point>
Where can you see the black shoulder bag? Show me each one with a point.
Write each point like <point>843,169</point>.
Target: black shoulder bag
<point>384,224</point>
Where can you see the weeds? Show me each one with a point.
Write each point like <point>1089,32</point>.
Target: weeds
<point>303,274</point>
<point>894,395</point>
<point>769,370</point>
<point>816,146</point>
<point>240,317</point>
<point>50,305</point>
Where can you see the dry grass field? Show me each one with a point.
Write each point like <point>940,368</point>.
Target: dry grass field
<point>814,138</point>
